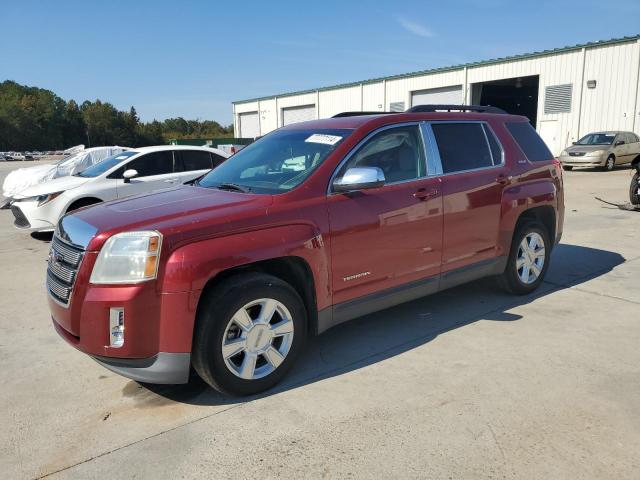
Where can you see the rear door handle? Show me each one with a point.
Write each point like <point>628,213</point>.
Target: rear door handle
<point>424,194</point>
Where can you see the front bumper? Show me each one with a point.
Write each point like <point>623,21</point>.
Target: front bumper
<point>584,161</point>
<point>158,329</point>
<point>29,216</point>
<point>166,368</point>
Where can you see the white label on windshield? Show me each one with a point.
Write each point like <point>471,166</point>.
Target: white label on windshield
<point>122,157</point>
<point>321,138</point>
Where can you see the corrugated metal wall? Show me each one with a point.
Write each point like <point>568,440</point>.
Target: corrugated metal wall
<point>613,104</point>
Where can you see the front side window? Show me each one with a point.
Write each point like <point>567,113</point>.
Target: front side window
<point>154,163</point>
<point>398,152</point>
<point>462,146</point>
<point>277,162</point>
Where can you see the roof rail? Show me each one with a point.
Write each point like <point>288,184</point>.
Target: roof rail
<point>357,114</point>
<point>455,108</point>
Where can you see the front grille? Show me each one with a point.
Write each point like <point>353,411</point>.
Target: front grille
<point>577,154</point>
<point>63,265</point>
<point>20,220</point>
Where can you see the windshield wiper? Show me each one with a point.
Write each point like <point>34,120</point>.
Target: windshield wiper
<point>233,186</point>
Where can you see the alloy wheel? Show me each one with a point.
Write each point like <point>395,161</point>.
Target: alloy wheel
<point>257,339</point>
<point>531,258</point>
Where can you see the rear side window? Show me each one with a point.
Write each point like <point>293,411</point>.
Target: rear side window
<point>217,159</point>
<point>155,163</point>
<point>462,146</point>
<point>529,141</point>
<point>195,160</point>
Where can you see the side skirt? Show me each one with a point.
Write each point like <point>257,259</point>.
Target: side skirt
<point>345,311</point>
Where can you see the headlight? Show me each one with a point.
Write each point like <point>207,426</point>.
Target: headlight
<point>564,153</point>
<point>128,257</point>
<point>42,199</point>
<point>595,153</point>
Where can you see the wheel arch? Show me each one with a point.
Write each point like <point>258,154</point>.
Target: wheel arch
<point>545,214</point>
<point>82,202</point>
<point>293,270</point>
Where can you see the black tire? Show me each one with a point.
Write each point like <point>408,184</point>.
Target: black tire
<point>567,167</point>
<point>214,314</point>
<point>609,164</point>
<point>83,202</point>
<point>634,198</point>
<point>510,280</point>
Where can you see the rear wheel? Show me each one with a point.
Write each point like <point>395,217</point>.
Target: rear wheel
<point>528,259</point>
<point>610,163</point>
<point>249,332</point>
<point>634,198</point>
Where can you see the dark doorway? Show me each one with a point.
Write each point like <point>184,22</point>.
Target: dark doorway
<point>518,96</point>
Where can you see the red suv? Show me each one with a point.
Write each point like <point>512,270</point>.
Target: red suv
<point>312,225</point>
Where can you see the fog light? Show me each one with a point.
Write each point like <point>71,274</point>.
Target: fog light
<point>116,327</point>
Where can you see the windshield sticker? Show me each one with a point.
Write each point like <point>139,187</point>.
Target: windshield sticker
<point>321,138</point>
<point>122,157</point>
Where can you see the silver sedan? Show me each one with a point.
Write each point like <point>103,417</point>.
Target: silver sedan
<point>602,149</point>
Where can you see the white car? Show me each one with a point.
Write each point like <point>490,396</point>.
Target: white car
<point>136,171</point>
<point>23,178</point>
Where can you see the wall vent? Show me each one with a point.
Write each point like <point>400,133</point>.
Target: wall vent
<point>396,106</point>
<point>557,98</point>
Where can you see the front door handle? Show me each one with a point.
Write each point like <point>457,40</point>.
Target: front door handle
<point>503,179</point>
<point>424,194</point>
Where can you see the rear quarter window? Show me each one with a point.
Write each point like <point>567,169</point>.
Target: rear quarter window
<point>529,141</point>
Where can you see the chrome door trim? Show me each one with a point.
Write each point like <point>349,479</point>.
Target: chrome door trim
<point>434,163</point>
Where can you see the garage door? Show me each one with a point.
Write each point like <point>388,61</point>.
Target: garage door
<point>438,96</point>
<point>249,125</point>
<point>298,114</point>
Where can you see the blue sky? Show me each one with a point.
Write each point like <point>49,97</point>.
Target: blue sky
<point>192,58</point>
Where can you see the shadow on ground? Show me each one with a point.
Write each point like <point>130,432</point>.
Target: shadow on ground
<point>382,335</point>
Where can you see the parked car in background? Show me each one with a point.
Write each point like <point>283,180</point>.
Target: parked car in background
<point>127,173</point>
<point>23,178</point>
<point>312,225</point>
<point>602,149</point>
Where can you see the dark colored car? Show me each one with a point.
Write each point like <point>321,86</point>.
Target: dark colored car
<point>312,225</point>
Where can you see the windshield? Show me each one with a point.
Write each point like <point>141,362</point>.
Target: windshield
<point>597,139</point>
<point>106,164</point>
<point>276,163</point>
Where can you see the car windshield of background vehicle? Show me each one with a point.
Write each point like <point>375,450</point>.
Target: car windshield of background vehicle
<point>105,165</point>
<point>597,139</point>
<point>277,162</point>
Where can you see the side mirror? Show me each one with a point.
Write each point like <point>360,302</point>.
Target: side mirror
<point>129,174</point>
<point>574,143</point>
<point>359,178</point>
<point>619,142</point>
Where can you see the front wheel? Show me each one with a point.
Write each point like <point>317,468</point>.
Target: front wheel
<point>634,198</point>
<point>609,164</point>
<point>249,332</point>
<point>528,259</point>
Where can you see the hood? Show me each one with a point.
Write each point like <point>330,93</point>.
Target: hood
<point>178,213</point>
<point>23,178</point>
<point>56,185</point>
<point>587,148</point>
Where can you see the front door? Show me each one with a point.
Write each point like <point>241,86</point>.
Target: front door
<point>392,235</point>
<point>155,171</point>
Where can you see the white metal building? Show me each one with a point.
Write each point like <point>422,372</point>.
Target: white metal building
<point>566,92</point>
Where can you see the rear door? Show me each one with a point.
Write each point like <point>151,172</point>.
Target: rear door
<point>155,171</point>
<point>474,175</point>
